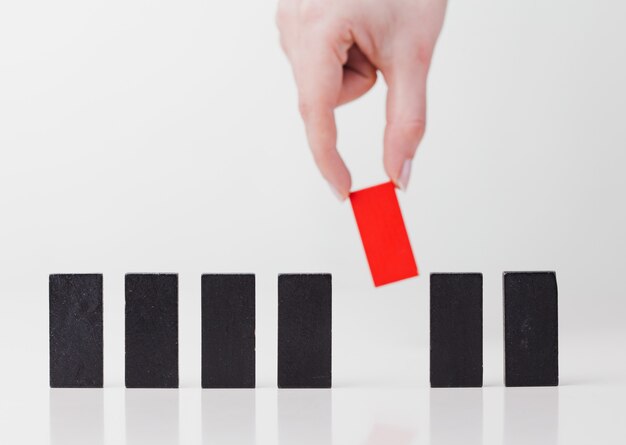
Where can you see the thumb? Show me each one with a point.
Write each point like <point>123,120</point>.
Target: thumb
<point>406,117</point>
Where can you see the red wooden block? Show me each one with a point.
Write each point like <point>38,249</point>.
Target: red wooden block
<point>384,236</point>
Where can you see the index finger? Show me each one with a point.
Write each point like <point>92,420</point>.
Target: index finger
<point>319,75</point>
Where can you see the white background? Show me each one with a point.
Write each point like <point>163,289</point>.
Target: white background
<point>154,136</point>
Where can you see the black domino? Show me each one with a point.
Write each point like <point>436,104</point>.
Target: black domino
<point>228,325</point>
<point>531,329</point>
<point>76,331</point>
<point>304,330</point>
<point>151,331</point>
<point>456,330</point>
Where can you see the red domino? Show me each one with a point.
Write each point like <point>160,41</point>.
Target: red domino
<point>383,233</point>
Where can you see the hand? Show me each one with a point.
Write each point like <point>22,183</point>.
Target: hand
<point>336,48</point>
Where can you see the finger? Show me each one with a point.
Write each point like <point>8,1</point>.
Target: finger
<point>359,76</point>
<point>406,117</point>
<point>319,75</point>
<point>285,19</point>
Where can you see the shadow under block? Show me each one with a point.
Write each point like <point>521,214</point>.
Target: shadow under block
<point>531,329</point>
<point>456,330</point>
<point>151,331</point>
<point>228,325</point>
<point>384,236</point>
<point>304,331</point>
<point>76,331</point>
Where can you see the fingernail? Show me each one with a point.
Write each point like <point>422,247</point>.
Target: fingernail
<point>338,195</point>
<point>405,174</point>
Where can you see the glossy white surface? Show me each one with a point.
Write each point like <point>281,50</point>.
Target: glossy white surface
<point>582,410</point>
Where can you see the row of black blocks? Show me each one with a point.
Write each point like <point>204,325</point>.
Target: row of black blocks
<point>530,329</point>
<point>304,330</point>
<point>228,331</point>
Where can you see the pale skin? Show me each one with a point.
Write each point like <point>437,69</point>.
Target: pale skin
<point>336,48</point>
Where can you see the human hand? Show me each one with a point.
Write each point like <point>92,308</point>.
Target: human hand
<point>336,47</point>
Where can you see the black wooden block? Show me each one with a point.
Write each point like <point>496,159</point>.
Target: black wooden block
<point>531,329</point>
<point>456,330</point>
<point>304,331</point>
<point>228,325</point>
<point>75,331</point>
<point>151,331</point>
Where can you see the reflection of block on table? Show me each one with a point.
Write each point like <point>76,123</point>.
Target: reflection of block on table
<point>531,347</point>
<point>456,330</point>
<point>151,331</point>
<point>531,416</point>
<point>76,417</point>
<point>151,417</point>
<point>76,331</point>
<point>305,417</point>
<point>228,331</point>
<point>383,233</point>
<point>456,417</point>
<point>304,330</point>
<point>228,417</point>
